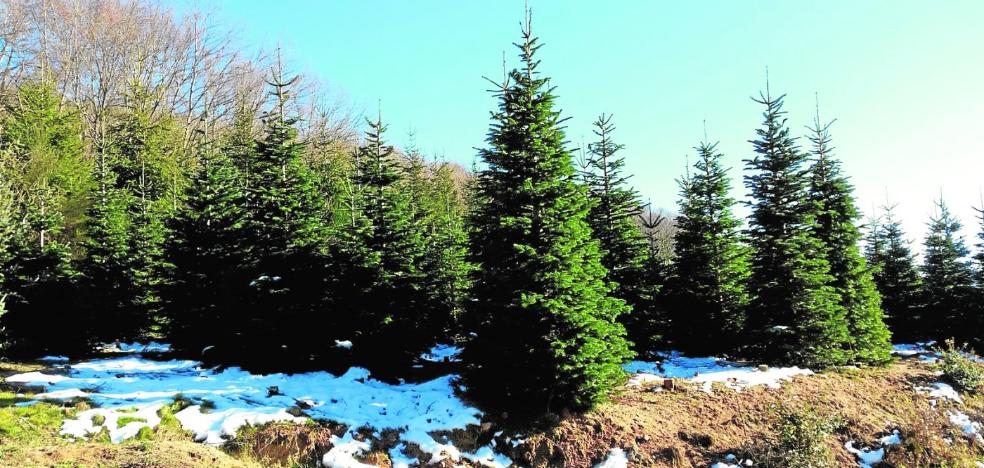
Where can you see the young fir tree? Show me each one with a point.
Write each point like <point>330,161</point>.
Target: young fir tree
<point>284,258</point>
<point>205,254</point>
<point>146,263</point>
<point>106,284</point>
<point>795,314</point>
<point>545,334</point>
<point>612,218</point>
<point>395,310</point>
<point>897,279</point>
<point>711,264</point>
<point>40,316</point>
<point>836,228</point>
<point>947,281</point>
<point>445,265</point>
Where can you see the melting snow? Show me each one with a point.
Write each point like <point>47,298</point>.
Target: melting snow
<point>616,459</point>
<point>235,398</point>
<point>969,427</point>
<point>442,353</point>
<point>54,359</point>
<point>709,370</point>
<point>940,390</point>
<point>866,457</point>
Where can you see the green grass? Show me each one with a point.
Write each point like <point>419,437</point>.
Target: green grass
<point>123,421</point>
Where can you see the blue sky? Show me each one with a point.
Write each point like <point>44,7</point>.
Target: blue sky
<point>904,79</point>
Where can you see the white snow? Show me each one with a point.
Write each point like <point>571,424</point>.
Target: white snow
<point>921,350</point>
<point>940,390</point>
<point>708,370</point>
<point>892,439</point>
<point>343,452</point>
<point>37,378</point>
<point>237,397</point>
<point>616,459</point>
<point>866,456</point>
<point>54,358</point>
<point>344,344</point>
<point>152,347</point>
<point>441,353</point>
<point>968,426</point>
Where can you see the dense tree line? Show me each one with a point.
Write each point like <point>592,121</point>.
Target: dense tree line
<point>264,239</point>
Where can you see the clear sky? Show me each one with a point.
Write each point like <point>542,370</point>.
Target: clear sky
<point>904,79</point>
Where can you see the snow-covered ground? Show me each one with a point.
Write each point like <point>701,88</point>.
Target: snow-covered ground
<point>706,371</point>
<point>136,387</point>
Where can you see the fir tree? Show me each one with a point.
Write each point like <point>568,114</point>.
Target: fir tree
<point>205,254</point>
<point>545,329</point>
<point>285,254</point>
<point>947,280</point>
<point>613,222</point>
<point>835,227</point>
<point>107,286</point>
<point>396,312</point>
<point>445,266</point>
<point>897,279</point>
<point>711,264</point>
<point>794,314</point>
<point>40,316</point>
<point>43,139</point>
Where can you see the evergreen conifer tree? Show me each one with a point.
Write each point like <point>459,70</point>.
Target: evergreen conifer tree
<point>613,222</point>
<point>205,254</point>
<point>545,330</point>
<point>445,267</point>
<point>794,313</point>
<point>395,309</point>
<point>897,279</point>
<point>947,292</point>
<point>835,227</point>
<point>285,253</point>
<point>711,264</point>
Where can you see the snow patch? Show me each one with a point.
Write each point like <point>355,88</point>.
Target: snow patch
<point>53,358</point>
<point>344,344</point>
<point>442,353</point>
<point>226,400</point>
<point>866,456</point>
<point>940,390</point>
<point>708,370</point>
<point>616,459</point>
<point>969,427</point>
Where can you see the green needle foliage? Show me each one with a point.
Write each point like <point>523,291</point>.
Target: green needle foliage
<point>897,278</point>
<point>947,280</point>
<point>836,228</point>
<point>613,222</point>
<point>794,314</point>
<point>545,330</point>
<point>710,268</point>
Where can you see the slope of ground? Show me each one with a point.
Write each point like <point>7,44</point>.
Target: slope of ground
<point>697,422</point>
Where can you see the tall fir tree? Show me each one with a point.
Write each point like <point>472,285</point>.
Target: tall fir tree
<point>205,254</point>
<point>897,278</point>
<point>836,228</point>
<point>947,292</point>
<point>710,268</point>
<point>545,334</point>
<point>794,313</point>
<point>612,218</point>
<point>395,309</point>
<point>285,255</point>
